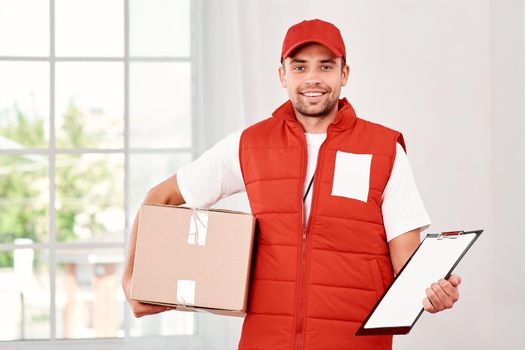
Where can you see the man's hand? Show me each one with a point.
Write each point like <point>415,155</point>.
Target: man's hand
<point>442,295</point>
<point>140,309</point>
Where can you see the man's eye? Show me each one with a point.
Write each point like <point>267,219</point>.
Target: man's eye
<point>298,68</point>
<point>325,67</point>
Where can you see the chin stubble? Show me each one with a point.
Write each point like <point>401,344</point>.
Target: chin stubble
<point>302,108</point>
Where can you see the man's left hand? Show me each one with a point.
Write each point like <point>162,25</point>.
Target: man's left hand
<point>442,294</point>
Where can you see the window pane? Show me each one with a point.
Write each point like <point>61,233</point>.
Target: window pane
<point>24,294</point>
<point>160,104</point>
<point>89,27</point>
<point>89,197</point>
<point>160,27</point>
<point>24,104</point>
<point>17,37</point>
<point>147,170</point>
<point>89,104</point>
<point>24,198</point>
<point>89,299</point>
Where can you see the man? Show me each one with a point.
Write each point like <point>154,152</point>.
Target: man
<point>337,209</point>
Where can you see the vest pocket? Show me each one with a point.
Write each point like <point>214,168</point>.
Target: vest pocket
<point>352,175</point>
<point>379,287</point>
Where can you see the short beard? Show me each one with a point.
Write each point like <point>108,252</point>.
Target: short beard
<point>326,107</point>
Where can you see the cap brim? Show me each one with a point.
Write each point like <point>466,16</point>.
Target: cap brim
<point>336,52</point>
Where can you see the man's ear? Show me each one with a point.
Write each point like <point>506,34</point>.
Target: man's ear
<point>344,75</point>
<point>282,76</point>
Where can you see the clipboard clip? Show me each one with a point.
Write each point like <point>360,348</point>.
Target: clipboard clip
<point>450,234</point>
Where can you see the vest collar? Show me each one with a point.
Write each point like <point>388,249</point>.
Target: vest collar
<point>344,119</point>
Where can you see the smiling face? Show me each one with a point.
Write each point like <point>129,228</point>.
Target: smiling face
<point>313,78</point>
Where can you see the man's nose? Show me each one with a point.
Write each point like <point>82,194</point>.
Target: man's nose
<point>312,78</point>
<point>312,81</point>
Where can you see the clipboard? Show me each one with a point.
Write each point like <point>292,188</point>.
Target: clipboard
<point>400,306</point>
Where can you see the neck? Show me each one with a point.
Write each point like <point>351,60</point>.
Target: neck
<point>316,125</point>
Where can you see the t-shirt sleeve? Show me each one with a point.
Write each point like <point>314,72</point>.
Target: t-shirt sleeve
<point>403,209</point>
<point>214,175</point>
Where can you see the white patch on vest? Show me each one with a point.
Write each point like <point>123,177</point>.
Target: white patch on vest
<point>352,175</point>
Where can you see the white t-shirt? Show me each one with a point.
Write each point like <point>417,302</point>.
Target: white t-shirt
<point>217,174</point>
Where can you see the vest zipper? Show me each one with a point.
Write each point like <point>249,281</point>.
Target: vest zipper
<point>299,339</point>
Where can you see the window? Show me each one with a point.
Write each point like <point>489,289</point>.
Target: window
<point>97,105</point>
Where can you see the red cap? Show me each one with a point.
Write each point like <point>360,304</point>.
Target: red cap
<point>314,31</point>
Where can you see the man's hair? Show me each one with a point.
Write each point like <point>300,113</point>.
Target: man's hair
<point>343,63</point>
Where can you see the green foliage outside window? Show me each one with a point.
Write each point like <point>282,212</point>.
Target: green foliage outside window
<point>24,181</point>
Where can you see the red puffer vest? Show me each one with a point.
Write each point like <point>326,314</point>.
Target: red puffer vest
<point>314,283</point>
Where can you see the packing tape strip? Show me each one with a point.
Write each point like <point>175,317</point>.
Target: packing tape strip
<point>186,292</point>
<point>198,227</point>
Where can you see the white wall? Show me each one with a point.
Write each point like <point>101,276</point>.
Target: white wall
<point>507,83</point>
<point>449,75</point>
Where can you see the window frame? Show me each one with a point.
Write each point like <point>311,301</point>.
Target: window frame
<point>52,246</point>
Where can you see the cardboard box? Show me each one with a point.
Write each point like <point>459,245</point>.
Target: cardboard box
<point>193,259</point>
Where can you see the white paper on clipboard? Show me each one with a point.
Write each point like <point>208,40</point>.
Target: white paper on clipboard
<point>402,303</point>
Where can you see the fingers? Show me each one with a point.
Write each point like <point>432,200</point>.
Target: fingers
<point>434,298</point>
<point>445,301</point>
<point>450,290</point>
<point>141,309</point>
<point>442,295</point>
<point>427,305</point>
<point>455,280</point>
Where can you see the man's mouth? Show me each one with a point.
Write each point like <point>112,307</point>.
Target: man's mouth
<point>313,95</point>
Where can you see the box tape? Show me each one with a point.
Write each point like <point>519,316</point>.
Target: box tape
<point>198,227</point>
<point>186,292</point>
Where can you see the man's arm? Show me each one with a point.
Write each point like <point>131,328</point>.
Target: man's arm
<point>212,176</point>
<point>402,247</point>
<point>166,192</point>
<point>440,295</point>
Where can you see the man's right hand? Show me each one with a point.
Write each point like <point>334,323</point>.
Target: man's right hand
<point>140,309</point>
